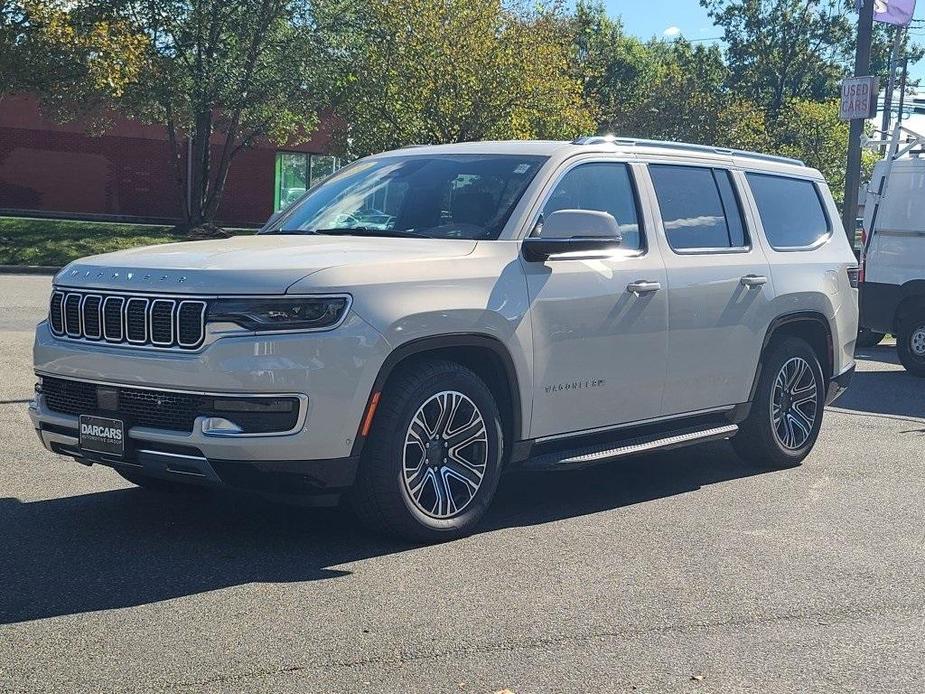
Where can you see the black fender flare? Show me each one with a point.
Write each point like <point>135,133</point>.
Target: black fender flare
<point>434,343</point>
<point>789,319</point>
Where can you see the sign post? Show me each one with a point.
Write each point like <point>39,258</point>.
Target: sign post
<point>853,168</point>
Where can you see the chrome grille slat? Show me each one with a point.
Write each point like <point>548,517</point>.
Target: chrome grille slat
<point>113,329</point>
<point>72,323</point>
<point>91,317</point>
<point>191,318</point>
<point>56,313</point>
<point>136,320</point>
<point>161,322</point>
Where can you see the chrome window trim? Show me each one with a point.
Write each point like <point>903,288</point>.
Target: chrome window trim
<point>125,329</point>
<point>99,313</point>
<point>121,337</point>
<point>197,426</point>
<point>149,315</point>
<point>64,321</point>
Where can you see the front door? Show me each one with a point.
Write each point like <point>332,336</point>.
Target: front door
<point>599,324</point>
<point>719,288</point>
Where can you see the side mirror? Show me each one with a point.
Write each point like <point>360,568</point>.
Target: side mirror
<point>573,231</point>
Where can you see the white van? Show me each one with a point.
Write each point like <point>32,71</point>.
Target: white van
<point>893,258</point>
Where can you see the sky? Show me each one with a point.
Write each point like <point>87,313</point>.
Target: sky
<point>687,18</point>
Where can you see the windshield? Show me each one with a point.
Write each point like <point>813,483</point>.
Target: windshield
<point>449,196</point>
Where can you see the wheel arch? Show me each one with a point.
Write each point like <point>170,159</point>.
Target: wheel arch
<point>912,299</point>
<point>486,355</point>
<point>811,326</point>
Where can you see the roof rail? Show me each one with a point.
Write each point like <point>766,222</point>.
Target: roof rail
<point>685,146</point>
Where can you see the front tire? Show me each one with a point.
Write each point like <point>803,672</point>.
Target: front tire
<point>786,413</point>
<point>910,344</point>
<point>432,462</point>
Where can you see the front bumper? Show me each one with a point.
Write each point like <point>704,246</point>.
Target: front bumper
<point>195,460</point>
<point>334,371</point>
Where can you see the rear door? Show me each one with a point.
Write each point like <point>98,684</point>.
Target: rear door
<point>599,346</point>
<point>719,287</point>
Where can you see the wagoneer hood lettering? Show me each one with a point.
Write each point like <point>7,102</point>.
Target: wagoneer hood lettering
<point>243,265</point>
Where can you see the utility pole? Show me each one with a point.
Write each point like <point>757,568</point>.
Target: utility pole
<point>891,82</point>
<point>853,170</point>
<point>902,91</point>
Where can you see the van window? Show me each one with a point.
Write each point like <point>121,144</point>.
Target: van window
<point>790,209</point>
<point>699,207</point>
<point>603,187</point>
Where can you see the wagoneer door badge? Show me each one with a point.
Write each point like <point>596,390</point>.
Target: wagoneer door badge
<point>576,385</point>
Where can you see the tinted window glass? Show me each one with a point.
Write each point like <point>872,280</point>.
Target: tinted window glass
<point>737,237</point>
<point>699,207</point>
<point>449,196</point>
<point>790,209</point>
<point>602,187</point>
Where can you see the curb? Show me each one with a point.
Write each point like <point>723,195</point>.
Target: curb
<point>28,269</point>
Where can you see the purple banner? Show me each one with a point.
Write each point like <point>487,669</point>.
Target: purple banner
<point>897,12</point>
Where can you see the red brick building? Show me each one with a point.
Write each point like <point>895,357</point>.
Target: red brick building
<point>52,168</point>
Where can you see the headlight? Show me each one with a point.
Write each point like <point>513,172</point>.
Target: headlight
<point>297,313</point>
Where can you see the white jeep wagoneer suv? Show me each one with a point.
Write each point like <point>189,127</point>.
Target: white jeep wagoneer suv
<point>426,318</point>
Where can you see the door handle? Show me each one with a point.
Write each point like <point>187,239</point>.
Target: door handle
<point>753,280</point>
<point>642,287</point>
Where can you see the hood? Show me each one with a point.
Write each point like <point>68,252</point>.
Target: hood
<point>265,264</point>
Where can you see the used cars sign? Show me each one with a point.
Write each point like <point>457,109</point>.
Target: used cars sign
<point>858,98</point>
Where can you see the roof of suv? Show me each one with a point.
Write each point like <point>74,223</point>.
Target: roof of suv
<point>610,144</point>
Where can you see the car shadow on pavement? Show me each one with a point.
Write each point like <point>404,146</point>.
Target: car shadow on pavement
<point>128,547</point>
<point>885,391</point>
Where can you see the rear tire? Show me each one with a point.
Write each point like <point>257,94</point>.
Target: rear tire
<point>869,338</point>
<point>910,343</point>
<point>419,479</point>
<point>786,413</point>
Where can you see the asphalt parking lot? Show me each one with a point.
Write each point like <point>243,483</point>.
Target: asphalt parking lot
<point>688,571</point>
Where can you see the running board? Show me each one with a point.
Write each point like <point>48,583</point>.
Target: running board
<point>590,455</point>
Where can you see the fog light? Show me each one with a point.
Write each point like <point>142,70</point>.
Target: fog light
<point>254,404</point>
<point>217,426</point>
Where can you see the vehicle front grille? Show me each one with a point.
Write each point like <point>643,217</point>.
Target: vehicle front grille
<point>149,408</point>
<point>135,320</point>
<point>171,410</point>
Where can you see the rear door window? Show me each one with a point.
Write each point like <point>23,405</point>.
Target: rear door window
<point>699,207</point>
<point>790,209</point>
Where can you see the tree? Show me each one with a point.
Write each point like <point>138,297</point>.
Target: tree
<point>45,48</point>
<point>439,71</point>
<point>615,69</point>
<point>669,90</point>
<point>217,75</point>
<point>778,50</point>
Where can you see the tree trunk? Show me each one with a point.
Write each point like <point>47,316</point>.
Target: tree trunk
<point>199,169</point>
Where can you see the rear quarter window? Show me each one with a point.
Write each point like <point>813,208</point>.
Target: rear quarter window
<point>790,209</point>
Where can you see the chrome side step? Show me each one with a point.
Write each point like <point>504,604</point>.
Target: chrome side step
<point>603,452</point>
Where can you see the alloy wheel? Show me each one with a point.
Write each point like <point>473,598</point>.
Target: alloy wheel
<point>445,455</point>
<point>794,403</point>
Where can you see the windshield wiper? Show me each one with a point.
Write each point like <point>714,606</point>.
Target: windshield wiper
<point>366,231</point>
